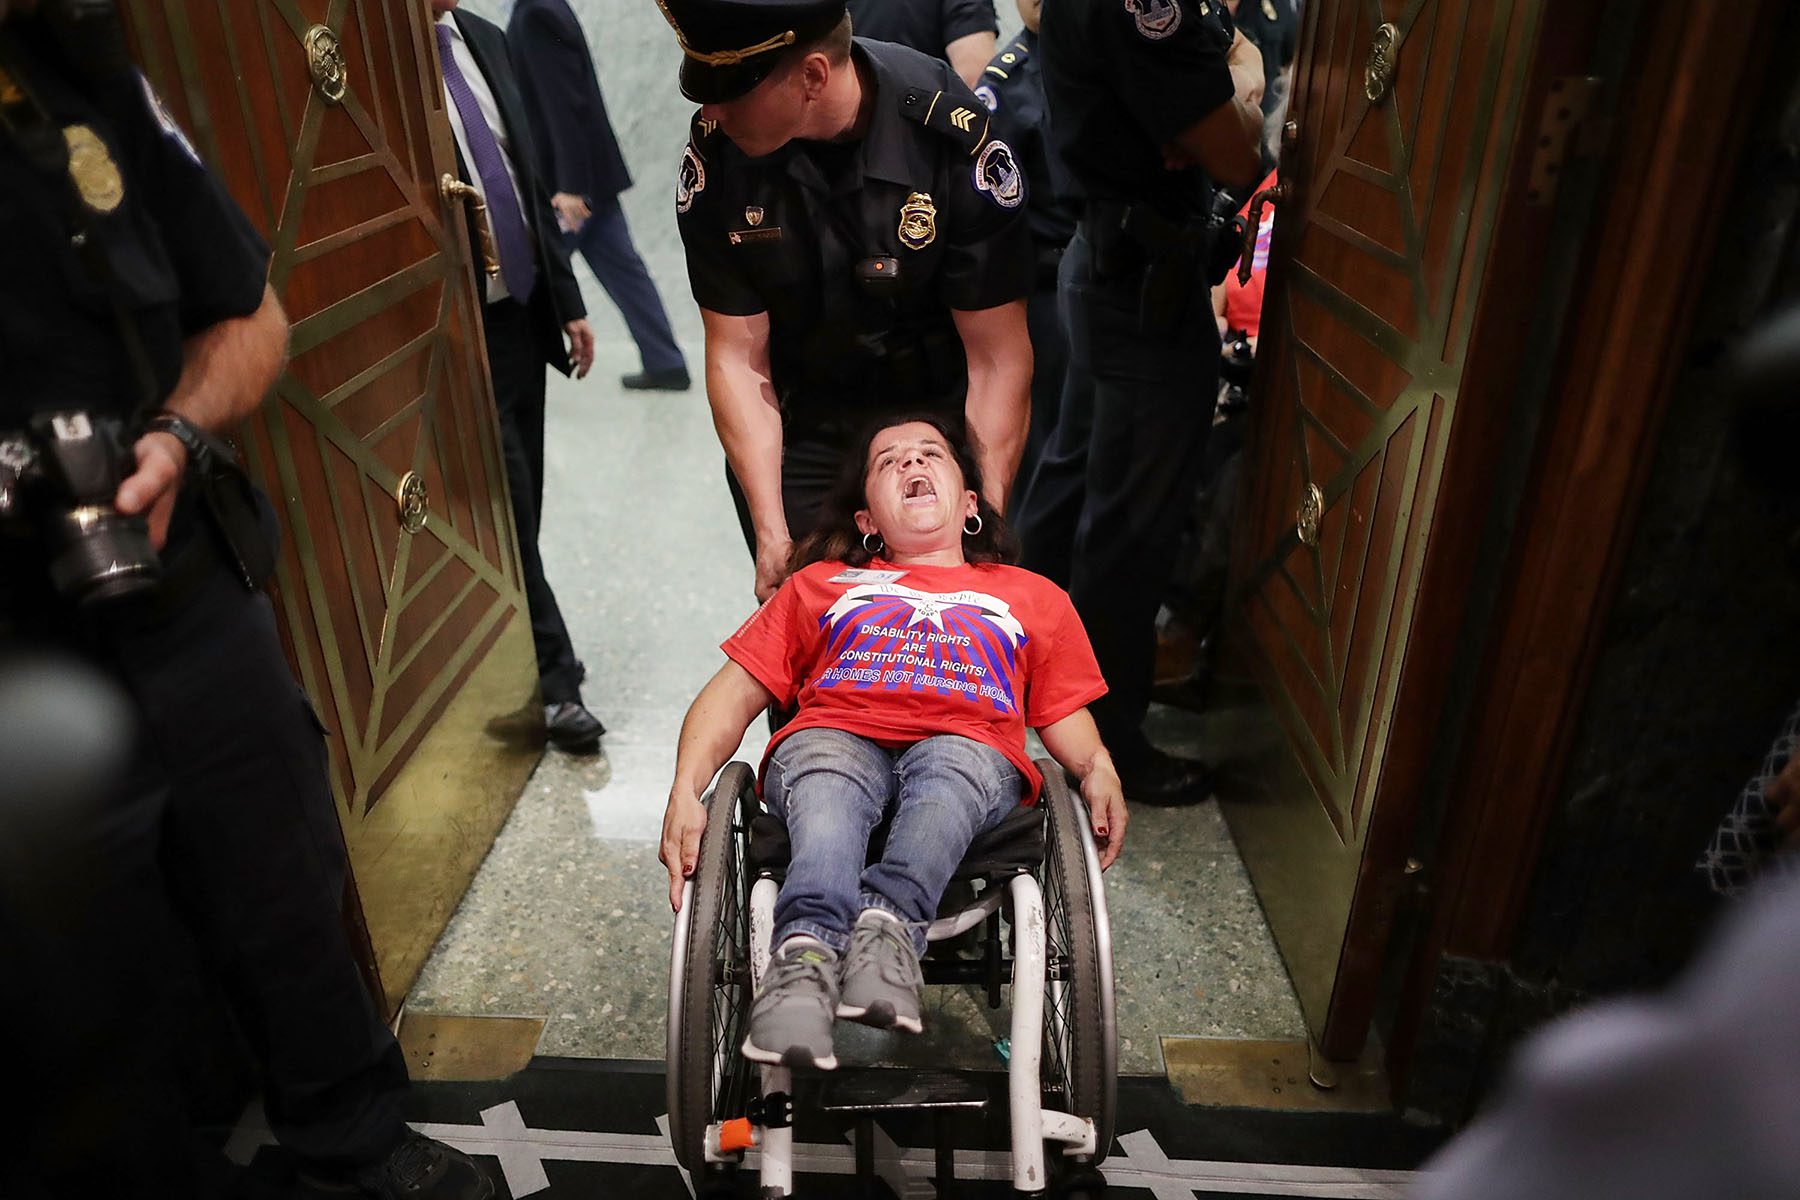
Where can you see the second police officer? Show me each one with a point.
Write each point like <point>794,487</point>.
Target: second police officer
<point>857,243</point>
<point>1153,106</point>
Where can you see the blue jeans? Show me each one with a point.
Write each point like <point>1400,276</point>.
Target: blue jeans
<point>832,788</point>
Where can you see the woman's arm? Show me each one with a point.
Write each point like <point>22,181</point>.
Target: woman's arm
<point>714,726</point>
<point>1074,742</point>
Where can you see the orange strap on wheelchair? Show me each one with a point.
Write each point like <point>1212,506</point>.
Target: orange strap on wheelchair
<point>736,1134</point>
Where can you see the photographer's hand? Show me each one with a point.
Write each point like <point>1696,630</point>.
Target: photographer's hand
<point>162,461</point>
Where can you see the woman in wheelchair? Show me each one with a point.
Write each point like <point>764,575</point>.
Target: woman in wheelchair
<point>914,658</point>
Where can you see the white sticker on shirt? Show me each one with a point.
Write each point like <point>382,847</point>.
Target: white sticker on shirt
<point>1156,19</point>
<point>166,119</point>
<point>997,173</point>
<point>954,643</point>
<point>864,575</point>
<point>690,180</point>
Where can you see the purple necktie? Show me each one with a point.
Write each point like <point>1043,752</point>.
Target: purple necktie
<point>517,269</point>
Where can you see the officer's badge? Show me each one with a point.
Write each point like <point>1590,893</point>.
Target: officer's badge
<point>753,216</point>
<point>92,168</point>
<point>690,181</point>
<point>987,96</point>
<point>1268,10</point>
<point>918,221</point>
<point>997,173</point>
<point>1156,19</point>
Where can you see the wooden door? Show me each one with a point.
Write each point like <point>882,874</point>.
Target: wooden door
<point>399,588</point>
<point>1391,184</point>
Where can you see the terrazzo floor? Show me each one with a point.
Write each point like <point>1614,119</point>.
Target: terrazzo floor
<point>567,918</point>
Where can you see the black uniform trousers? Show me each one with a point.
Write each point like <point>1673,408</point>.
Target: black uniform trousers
<point>224,825</point>
<point>1108,500</point>
<point>809,466</point>
<point>517,368</point>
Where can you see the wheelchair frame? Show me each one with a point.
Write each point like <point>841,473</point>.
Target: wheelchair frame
<point>1061,983</point>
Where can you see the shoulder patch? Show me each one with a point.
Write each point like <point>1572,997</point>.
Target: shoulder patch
<point>165,118</point>
<point>1156,19</point>
<point>997,175</point>
<point>988,96</point>
<point>690,179</point>
<point>946,114</point>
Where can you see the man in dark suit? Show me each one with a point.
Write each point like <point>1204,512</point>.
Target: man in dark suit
<point>585,172</point>
<point>527,309</point>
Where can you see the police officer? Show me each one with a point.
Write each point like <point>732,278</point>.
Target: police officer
<point>961,32</point>
<point>1012,87</point>
<point>857,242</point>
<point>135,324</point>
<point>1153,103</point>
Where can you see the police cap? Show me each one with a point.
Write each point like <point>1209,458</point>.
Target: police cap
<point>730,46</point>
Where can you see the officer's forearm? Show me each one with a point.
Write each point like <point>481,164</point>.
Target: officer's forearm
<point>227,368</point>
<point>998,409</point>
<point>749,427</point>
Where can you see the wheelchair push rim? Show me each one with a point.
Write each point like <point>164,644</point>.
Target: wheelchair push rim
<point>1080,1034</point>
<point>709,993</point>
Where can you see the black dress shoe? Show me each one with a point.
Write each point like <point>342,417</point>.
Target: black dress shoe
<point>673,380</point>
<point>1165,781</point>
<point>570,726</point>
<point>418,1169</point>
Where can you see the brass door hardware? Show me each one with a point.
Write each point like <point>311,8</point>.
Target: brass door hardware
<point>413,502</point>
<point>1306,519</point>
<point>1383,61</point>
<point>1253,222</point>
<point>325,62</point>
<point>453,188</point>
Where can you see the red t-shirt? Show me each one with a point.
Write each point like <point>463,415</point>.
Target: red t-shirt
<point>900,654</point>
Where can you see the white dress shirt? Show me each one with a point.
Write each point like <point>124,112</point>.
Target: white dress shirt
<point>490,112</point>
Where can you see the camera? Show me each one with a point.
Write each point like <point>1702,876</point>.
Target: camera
<point>58,476</point>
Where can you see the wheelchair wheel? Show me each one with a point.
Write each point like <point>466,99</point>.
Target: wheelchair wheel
<point>710,986</point>
<point>1080,1039</point>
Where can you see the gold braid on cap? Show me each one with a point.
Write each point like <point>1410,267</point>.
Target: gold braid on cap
<point>725,58</point>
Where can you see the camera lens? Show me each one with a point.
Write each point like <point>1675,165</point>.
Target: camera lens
<point>98,556</point>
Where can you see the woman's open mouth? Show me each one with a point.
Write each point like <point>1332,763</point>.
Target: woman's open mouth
<point>918,491</point>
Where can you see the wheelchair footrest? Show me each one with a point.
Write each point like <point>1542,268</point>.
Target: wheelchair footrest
<point>895,1091</point>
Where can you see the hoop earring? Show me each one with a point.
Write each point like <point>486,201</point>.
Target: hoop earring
<point>877,548</point>
<point>972,532</point>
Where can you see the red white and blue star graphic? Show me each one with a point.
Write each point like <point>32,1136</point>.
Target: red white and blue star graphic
<point>953,643</point>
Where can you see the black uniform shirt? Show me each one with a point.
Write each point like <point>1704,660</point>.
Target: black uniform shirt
<point>927,189</point>
<point>928,26</point>
<point>183,253</point>
<point>1124,77</point>
<point>1012,87</point>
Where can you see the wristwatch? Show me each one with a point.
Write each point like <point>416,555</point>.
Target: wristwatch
<point>200,444</point>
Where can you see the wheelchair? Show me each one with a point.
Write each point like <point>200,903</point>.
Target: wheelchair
<point>1038,868</point>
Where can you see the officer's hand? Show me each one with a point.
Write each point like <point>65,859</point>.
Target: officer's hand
<point>683,823</point>
<point>1246,65</point>
<point>162,461</point>
<point>572,211</point>
<point>581,346</point>
<point>771,565</point>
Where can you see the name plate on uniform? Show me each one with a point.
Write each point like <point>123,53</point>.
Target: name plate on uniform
<point>741,236</point>
<point>861,575</point>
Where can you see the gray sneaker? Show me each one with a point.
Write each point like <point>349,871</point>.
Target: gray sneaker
<point>881,978</point>
<point>790,1022</point>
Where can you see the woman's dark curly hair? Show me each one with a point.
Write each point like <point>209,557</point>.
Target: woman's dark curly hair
<point>837,539</point>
